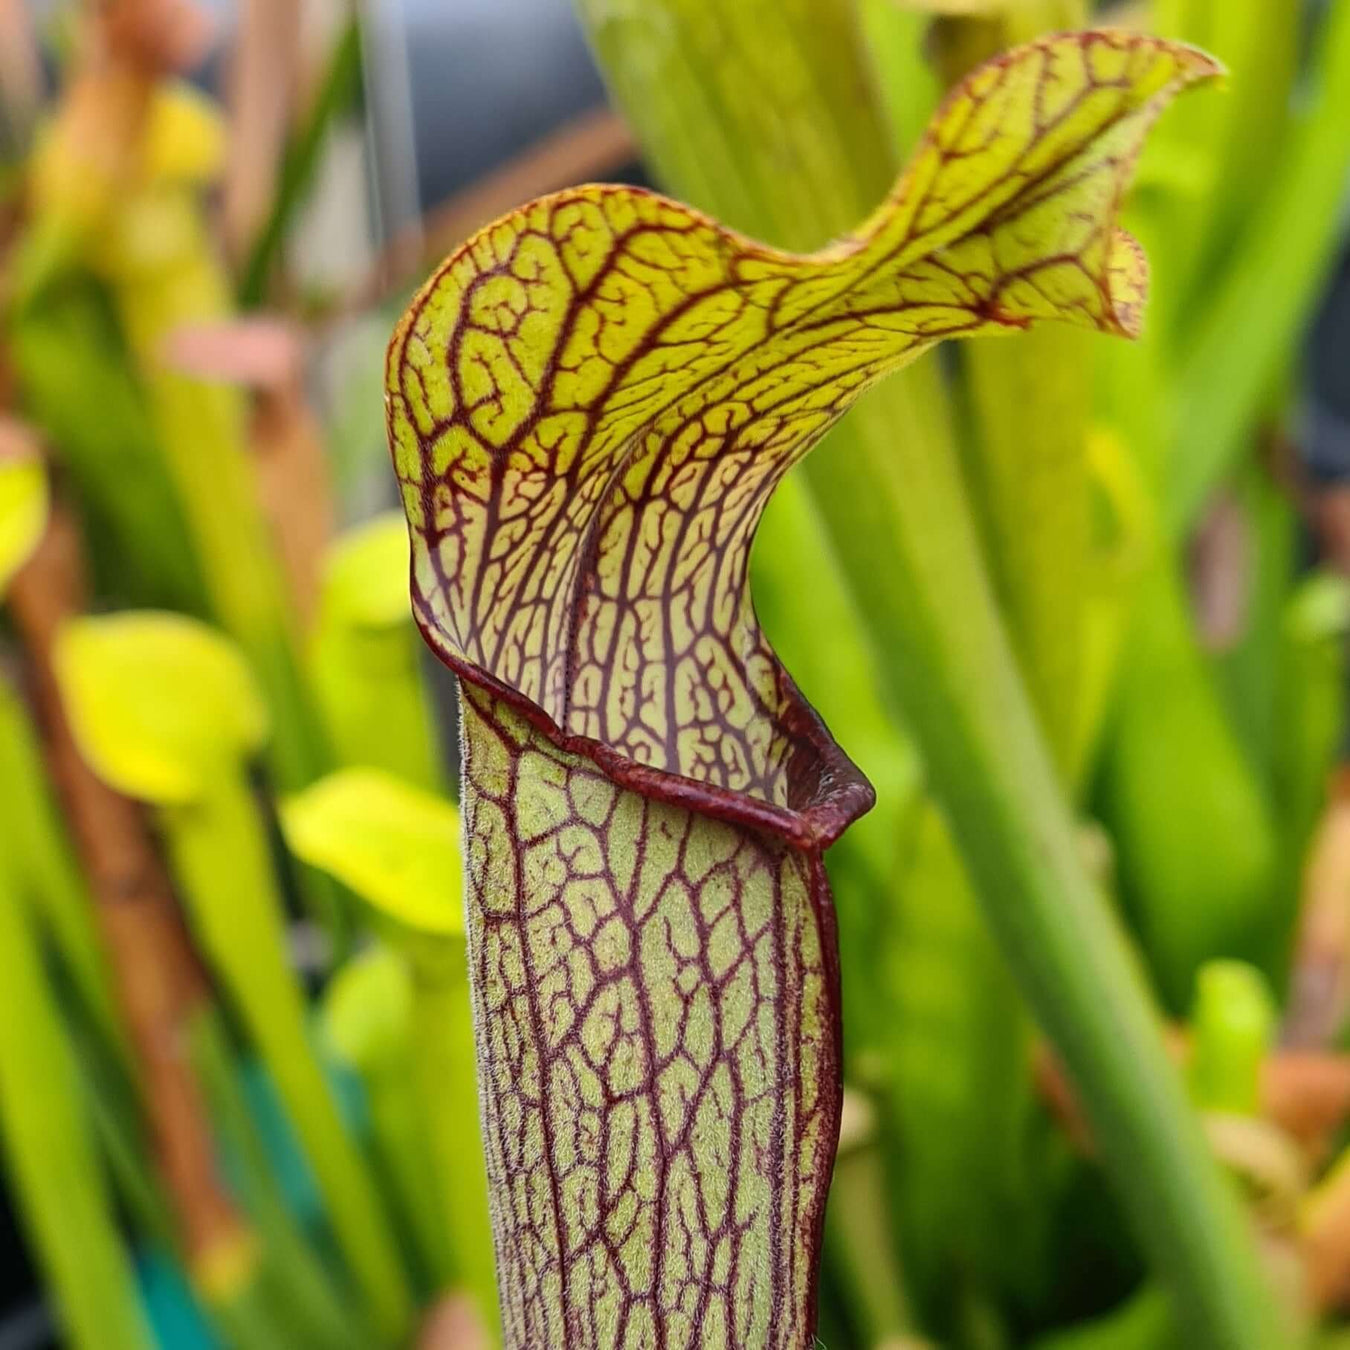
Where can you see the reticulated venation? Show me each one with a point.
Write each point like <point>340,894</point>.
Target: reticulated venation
<point>656,995</point>
<point>589,406</point>
<point>592,402</point>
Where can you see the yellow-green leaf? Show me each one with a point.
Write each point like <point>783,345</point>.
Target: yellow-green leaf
<point>364,656</point>
<point>185,138</point>
<point>23,512</point>
<point>366,573</point>
<point>395,845</point>
<point>161,704</point>
<point>366,1019</point>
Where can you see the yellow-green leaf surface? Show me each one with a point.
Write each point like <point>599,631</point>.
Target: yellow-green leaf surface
<point>588,408</point>
<point>364,655</point>
<point>367,1011</point>
<point>161,704</point>
<point>393,844</point>
<point>23,512</point>
<point>365,581</point>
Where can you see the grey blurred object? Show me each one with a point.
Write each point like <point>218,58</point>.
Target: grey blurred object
<point>455,89</point>
<point>1324,435</point>
<point>390,127</point>
<point>489,78</point>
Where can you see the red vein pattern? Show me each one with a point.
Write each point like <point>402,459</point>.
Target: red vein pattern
<point>657,989</point>
<point>589,405</point>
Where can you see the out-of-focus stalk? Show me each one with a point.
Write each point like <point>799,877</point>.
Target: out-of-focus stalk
<point>309,1308</point>
<point>219,851</point>
<point>1173,760</point>
<point>123,678</point>
<point>52,1162</point>
<point>1146,1320</point>
<point>365,656</point>
<point>74,381</point>
<point>51,1158</point>
<point>396,846</point>
<point>1244,565</point>
<point>858,1228</point>
<point>155,976</point>
<point>1031,486</point>
<point>45,869</point>
<point>718,104</point>
<point>1252,315</point>
<point>368,1026</point>
<point>1031,404</point>
<point>164,275</point>
<point>908,89</point>
<point>957,1097</point>
<point>447,1077</point>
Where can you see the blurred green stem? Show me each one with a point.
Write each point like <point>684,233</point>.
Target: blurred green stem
<point>56,1174</point>
<point>1252,317</point>
<point>366,1026</point>
<point>365,653</point>
<point>220,854</point>
<point>309,1305</point>
<point>164,276</point>
<point>859,1227</point>
<point>46,872</point>
<point>370,685</point>
<point>402,1123</point>
<point>447,1071</point>
<point>1031,402</point>
<point>77,383</point>
<point>1146,1320</point>
<point>907,87</point>
<point>1175,778</point>
<point>341,83</point>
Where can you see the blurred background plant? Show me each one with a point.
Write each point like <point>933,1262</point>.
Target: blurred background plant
<point>235,1058</point>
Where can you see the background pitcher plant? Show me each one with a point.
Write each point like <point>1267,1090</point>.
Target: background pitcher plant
<point>588,407</point>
